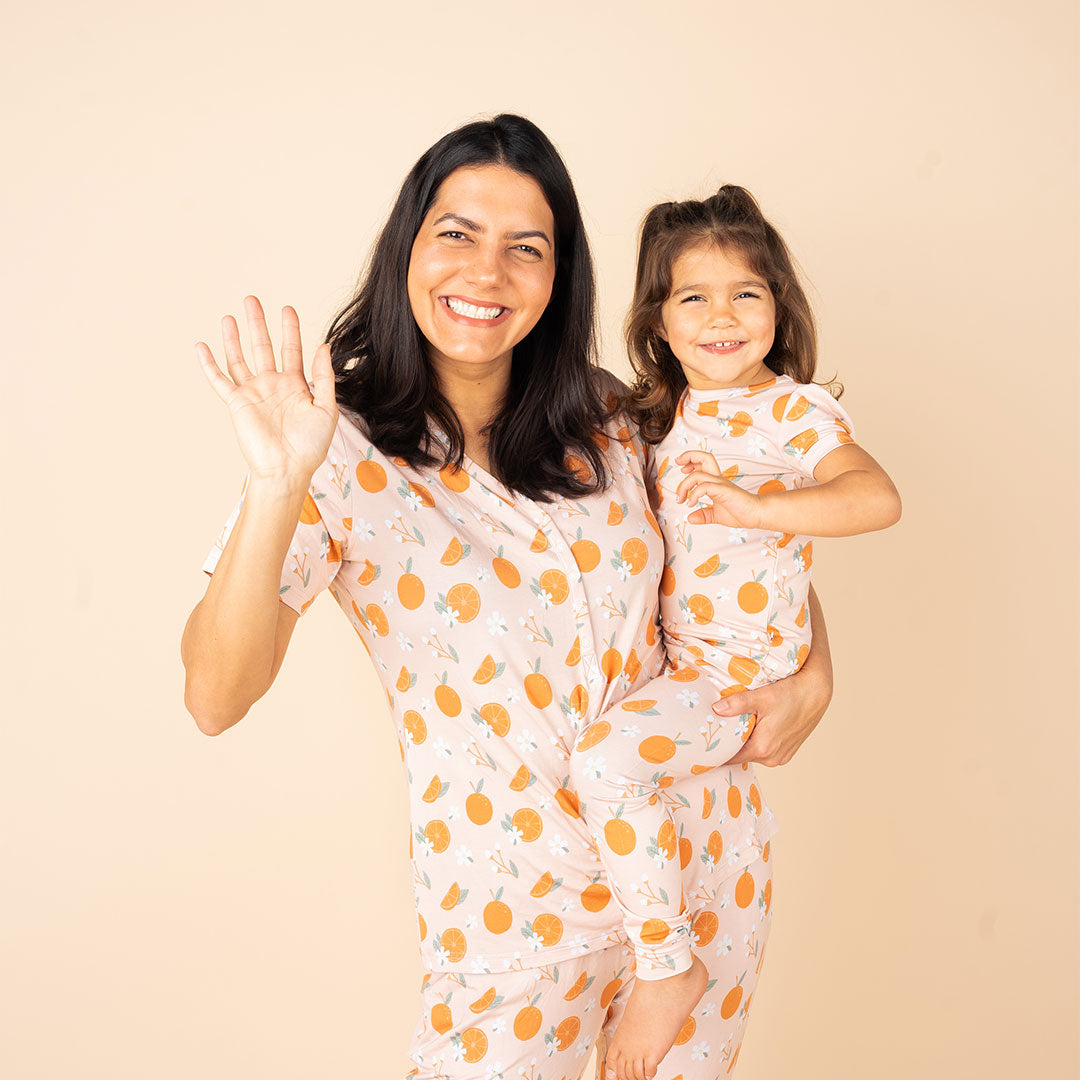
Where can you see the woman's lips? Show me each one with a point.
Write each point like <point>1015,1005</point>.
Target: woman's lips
<point>472,313</point>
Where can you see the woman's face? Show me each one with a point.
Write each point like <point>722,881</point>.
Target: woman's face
<point>482,265</point>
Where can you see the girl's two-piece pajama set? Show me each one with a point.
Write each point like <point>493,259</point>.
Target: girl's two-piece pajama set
<point>504,631</point>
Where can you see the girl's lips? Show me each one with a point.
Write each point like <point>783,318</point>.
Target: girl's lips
<point>724,348</point>
<point>468,320</point>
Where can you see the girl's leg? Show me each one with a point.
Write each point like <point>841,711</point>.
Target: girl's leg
<point>621,768</point>
<point>730,935</point>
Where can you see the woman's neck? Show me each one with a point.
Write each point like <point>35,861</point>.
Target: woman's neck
<point>476,393</point>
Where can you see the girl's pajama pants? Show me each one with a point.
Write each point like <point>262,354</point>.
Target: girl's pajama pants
<point>541,1023</point>
<point>663,733</point>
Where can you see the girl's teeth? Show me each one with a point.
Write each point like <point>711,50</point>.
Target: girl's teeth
<point>471,311</point>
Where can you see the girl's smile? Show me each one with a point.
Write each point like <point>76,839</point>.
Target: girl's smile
<point>720,319</point>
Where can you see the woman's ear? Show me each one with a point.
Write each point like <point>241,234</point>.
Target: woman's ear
<point>658,328</point>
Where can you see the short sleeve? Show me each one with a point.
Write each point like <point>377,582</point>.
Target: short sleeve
<point>812,424</point>
<point>320,544</point>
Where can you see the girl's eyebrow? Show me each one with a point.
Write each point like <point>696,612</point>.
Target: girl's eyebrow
<point>734,284</point>
<point>465,223</point>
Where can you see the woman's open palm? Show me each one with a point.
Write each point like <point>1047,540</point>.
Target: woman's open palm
<point>283,428</point>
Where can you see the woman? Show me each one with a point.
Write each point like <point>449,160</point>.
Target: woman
<point>480,515</point>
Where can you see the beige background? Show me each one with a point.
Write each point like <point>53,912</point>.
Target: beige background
<point>175,906</point>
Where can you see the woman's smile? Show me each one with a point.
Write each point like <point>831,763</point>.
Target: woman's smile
<point>482,265</point>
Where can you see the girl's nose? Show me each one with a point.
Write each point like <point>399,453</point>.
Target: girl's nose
<point>721,315</point>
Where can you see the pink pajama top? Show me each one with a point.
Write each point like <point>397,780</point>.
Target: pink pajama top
<point>501,628</point>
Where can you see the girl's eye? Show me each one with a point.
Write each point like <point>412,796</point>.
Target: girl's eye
<point>687,299</point>
<point>752,295</point>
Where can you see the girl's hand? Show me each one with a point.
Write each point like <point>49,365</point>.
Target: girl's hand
<point>731,504</point>
<point>283,431</point>
<point>787,712</point>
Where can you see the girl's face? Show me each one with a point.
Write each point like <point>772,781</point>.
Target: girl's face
<point>720,319</point>
<point>482,266</point>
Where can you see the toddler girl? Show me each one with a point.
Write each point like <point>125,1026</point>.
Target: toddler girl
<point>722,341</point>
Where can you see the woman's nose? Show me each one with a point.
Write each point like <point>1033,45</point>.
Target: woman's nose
<point>484,268</point>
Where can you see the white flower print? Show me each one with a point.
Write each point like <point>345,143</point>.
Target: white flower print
<point>414,501</point>
<point>527,741</point>
<point>482,574</point>
<point>558,846</point>
<point>404,643</point>
<point>723,595</point>
<point>689,698</point>
<point>723,945</point>
<point>594,767</point>
<point>580,948</point>
<point>755,446</point>
<point>442,748</point>
<point>471,922</point>
<point>737,536</point>
<point>494,1071</point>
<point>363,530</point>
<point>630,730</point>
<point>464,856</point>
<point>453,813</point>
<point>497,624</point>
<point>513,695</point>
<point>700,1051</point>
<point>425,704</point>
<point>499,1025</point>
<point>709,1009</point>
<point>450,616</point>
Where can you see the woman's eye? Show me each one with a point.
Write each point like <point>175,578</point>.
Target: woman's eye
<point>453,234</point>
<point>527,249</point>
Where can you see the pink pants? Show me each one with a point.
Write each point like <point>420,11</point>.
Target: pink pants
<point>621,765</point>
<point>542,1023</point>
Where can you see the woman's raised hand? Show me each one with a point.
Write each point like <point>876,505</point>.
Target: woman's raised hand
<point>284,432</point>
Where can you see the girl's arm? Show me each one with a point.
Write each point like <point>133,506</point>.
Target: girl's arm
<point>787,710</point>
<point>853,494</point>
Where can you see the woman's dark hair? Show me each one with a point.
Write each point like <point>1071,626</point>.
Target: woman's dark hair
<point>732,220</point>
<point>553,411</point>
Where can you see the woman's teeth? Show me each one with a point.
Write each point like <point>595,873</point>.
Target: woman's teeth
<point>459,307</point>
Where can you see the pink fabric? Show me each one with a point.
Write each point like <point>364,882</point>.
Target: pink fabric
<point>501,629</point>
<point>734,607</point>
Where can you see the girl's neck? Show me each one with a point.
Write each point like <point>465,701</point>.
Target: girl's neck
<point>758,375</point>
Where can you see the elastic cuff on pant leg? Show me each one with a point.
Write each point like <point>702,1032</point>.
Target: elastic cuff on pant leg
<point>660,961</point>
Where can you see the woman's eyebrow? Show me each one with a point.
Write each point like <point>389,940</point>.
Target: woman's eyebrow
<point>465,223</point>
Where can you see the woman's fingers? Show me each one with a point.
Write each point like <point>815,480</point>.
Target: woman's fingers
<point>234,354</point>
<point>292,353</point>
<point>260,337</point>
<point>222,386</point>
<point>322,378</point>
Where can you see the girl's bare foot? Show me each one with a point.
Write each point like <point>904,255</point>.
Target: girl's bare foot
<point>654,1016</point>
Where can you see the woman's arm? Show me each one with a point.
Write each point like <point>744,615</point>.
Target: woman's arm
<point>787,710</point>
<point>235,638</point>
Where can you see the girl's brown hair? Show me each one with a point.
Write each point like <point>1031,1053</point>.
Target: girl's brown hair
<point>731,219</point>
